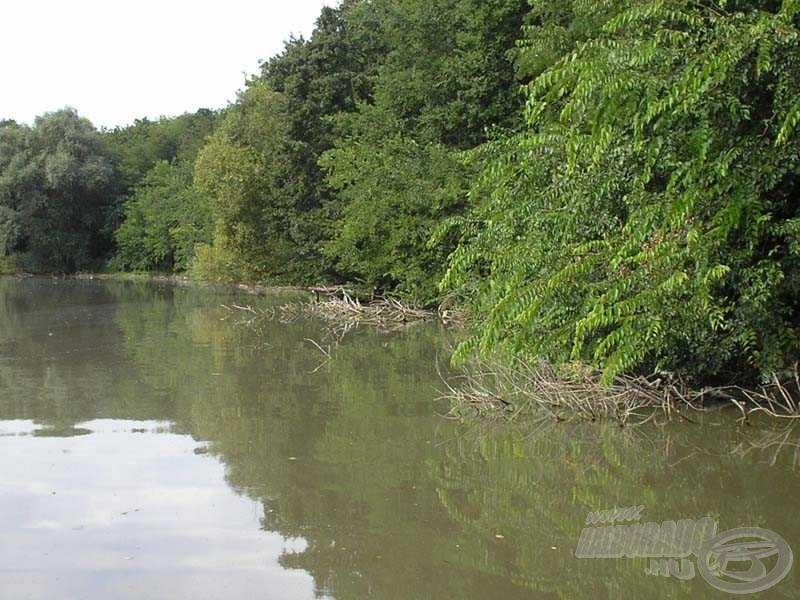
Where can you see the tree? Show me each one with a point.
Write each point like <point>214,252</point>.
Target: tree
<point>448,73</point>
<point>244,170</point>
<point>394,191</point>
<point>645,217</point>
<point>54,183</point>
<point>446,79</point>
<point>165,218</point>
<point>328,74</point>
<point>138,148</point>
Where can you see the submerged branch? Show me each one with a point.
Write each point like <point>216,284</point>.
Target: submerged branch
<point>342,312</point>
<point>506,392</point>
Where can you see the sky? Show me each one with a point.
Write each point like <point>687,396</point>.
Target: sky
<point>118,60</point>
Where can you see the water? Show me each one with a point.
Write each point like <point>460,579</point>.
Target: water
<point>151,447</point>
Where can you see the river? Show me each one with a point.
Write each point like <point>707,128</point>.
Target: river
<point>153,446</point>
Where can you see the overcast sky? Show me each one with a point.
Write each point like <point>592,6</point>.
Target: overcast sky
<point>116,60</point>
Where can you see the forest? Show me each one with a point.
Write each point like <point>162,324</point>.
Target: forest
<point>606,182</point>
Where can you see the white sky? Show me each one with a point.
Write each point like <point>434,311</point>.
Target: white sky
<point>117,60</point>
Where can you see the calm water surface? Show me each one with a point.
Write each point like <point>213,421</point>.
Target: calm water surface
<point>153,447</point>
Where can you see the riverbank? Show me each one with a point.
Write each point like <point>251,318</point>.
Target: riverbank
<point>338,305</point>
<point>183,280</point>
<point>499,390</point>
<point>178,280</point>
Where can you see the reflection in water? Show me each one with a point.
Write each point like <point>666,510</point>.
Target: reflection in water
<point>252,469</point>
<point>119,514</point>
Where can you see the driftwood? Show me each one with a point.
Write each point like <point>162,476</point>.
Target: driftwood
<point>327,292</point>
<point>341,312</point>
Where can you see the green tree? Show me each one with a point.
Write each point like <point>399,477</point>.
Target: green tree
<point>244,169</point>
<point>328,74</point>
<point>394,192</point>
<point>448,73</point>
<point>644,219</point>
<point>55,179</point>
<point>446,79</point>
<point>165,218</point>
<point>138,148</point>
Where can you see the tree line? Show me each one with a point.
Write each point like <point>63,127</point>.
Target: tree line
<point>611,182</point>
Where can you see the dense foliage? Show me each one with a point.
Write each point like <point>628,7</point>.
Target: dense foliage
<point>244,168</point>
<point>157,214</point>
<point>55,179</point>
<point>137,148</point>
<point>611,182</point>
<point>166,217</point>
<point>647,216</point>
<point>394,191</point>
<point>396,163</point>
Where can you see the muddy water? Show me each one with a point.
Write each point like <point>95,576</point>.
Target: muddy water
<point>153,447</point>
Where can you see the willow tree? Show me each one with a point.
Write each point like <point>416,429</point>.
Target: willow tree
<point>647,217</point>
<point>55,180</point>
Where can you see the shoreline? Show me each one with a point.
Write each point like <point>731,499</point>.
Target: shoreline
<point>177,280</point>
<point>536,391</point>
<point>494,391</point>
